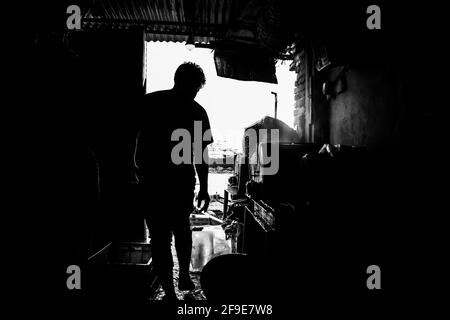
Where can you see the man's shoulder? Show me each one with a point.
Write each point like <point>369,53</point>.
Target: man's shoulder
<point>153,105</point>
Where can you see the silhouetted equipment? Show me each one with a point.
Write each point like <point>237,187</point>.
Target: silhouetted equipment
<point>122,271</point>
<point>233,278</point>
<point>304,209</point>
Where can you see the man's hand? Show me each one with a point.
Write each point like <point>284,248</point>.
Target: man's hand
<point>203,196</point>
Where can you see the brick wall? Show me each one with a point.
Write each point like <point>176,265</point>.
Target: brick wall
<point>299,65</point>
<point>311,109</point>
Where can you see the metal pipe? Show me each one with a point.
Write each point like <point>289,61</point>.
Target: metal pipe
<point>276,103</point>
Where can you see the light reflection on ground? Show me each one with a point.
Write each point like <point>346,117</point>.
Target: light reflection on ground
<point>196,294</point>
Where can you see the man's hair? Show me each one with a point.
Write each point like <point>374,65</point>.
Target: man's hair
<point>190,74</point>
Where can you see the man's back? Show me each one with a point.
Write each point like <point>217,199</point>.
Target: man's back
<point>163,113</point>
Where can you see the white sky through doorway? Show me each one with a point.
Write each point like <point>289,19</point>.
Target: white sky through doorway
<point>231,104</point>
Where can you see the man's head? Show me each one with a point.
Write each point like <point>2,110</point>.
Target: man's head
<point>189,79</point>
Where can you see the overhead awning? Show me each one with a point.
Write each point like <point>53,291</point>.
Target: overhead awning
<point>167,20</point>
<point>238,30</point>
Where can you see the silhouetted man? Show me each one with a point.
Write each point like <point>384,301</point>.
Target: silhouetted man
<point>166,148</point>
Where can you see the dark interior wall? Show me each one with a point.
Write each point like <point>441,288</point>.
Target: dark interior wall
<point>112,83</point>
<point>388,103</point>
<point>369,111</point>
<point>393,103</point>
<point>82,98</point>
<point>75,100</point>
<point>389,76</point>
<point>393,87</point>
<point>112,64</point>
<point>395,109</point>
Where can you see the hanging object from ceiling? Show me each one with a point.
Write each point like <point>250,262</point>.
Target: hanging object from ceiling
<point>247,64</point>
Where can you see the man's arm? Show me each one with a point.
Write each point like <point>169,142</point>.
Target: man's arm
<point>138,156</point>
<point>202,173</point>
<point>202,165</point>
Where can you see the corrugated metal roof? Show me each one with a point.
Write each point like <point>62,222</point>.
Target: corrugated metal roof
<point>230,26</point>
<point>166,20</point>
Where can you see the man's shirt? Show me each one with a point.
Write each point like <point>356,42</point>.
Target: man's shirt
<point>164,114</point>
